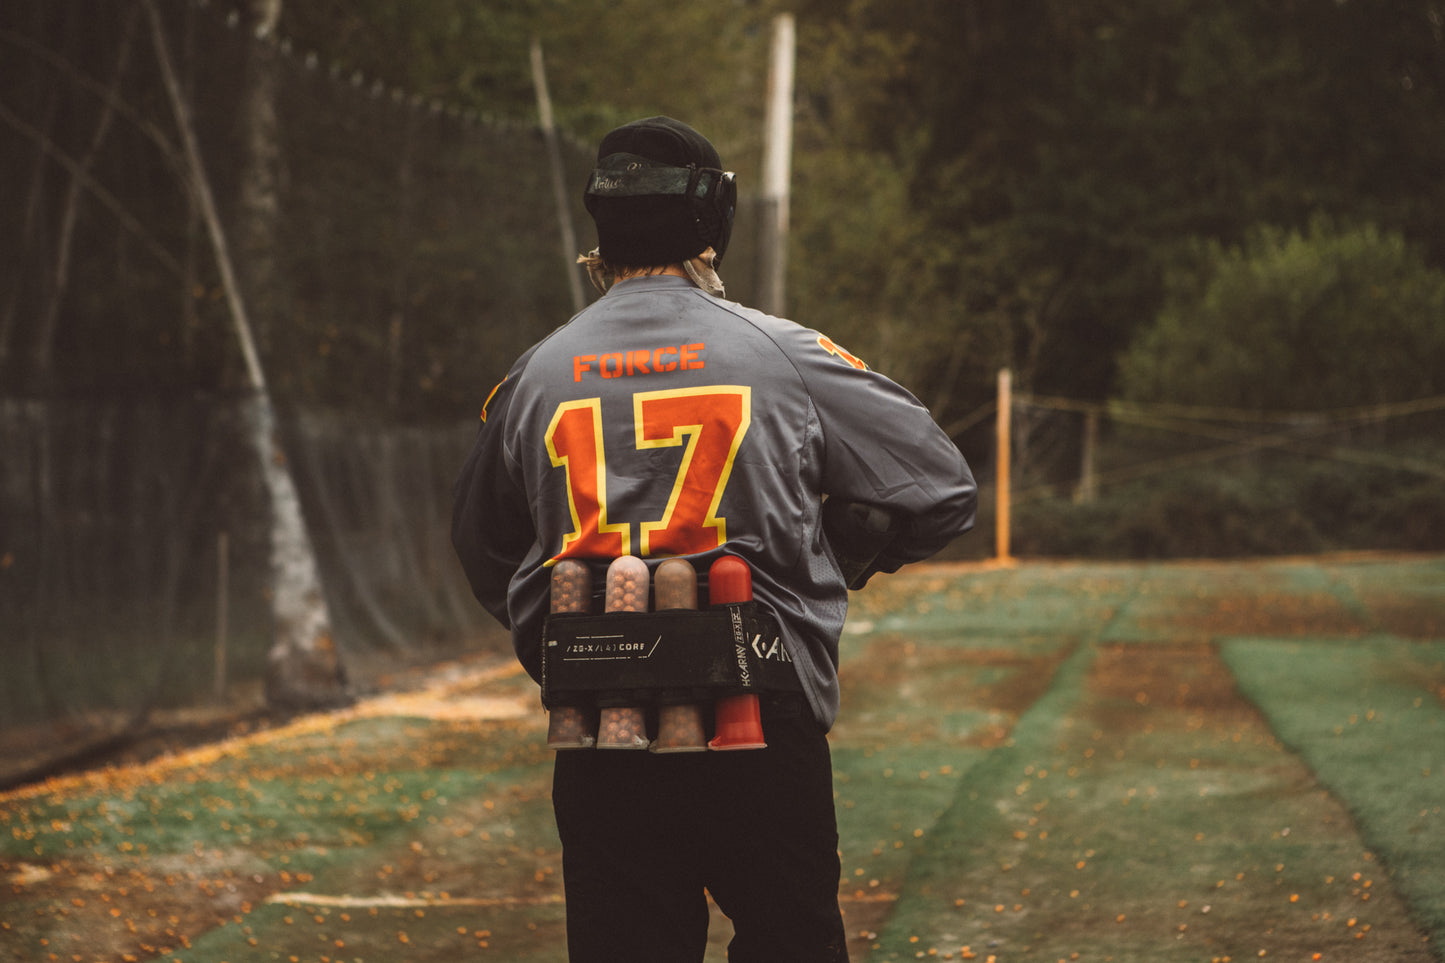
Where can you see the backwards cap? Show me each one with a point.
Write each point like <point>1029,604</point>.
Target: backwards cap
<point>659,194</point>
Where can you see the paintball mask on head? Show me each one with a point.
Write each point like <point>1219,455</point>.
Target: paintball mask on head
<point>659,195</point>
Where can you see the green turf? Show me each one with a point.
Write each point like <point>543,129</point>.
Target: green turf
<point>1366,716</point>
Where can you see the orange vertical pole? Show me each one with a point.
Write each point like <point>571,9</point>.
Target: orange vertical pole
<point>1002,521</point>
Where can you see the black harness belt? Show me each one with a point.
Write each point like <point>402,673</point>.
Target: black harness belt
<point>661,658</point>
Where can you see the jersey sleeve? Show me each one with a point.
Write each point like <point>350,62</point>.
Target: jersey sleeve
<point>883,448</point>
<point>492,528</point>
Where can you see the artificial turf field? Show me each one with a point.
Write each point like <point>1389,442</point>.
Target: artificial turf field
<point>1053,761</point>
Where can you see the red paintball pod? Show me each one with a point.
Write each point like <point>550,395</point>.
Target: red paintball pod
<point>738,719</point>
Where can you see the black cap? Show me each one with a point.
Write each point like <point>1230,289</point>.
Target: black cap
<point>642,228</point>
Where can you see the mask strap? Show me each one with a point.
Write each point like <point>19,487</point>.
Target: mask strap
<point>703,274</point>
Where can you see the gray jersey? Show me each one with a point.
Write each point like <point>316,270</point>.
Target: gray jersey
<point>662,421</point>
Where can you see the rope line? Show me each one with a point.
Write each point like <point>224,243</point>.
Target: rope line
<point>1238,433</point>
<point>1360,414</point>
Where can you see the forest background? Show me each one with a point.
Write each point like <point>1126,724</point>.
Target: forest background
<point>1205,239</point>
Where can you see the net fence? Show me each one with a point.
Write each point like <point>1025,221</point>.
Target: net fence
<point>1130,480</point>
<point>393,254</point>
<point>135,550</point>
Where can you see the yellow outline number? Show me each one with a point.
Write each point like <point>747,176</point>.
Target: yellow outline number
<point>708,423</point>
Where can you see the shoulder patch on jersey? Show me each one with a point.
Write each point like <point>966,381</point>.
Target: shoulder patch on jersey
<point>830,346</point>
<point>492,395</point>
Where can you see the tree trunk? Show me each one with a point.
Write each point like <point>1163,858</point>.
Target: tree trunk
<point>259,194</point>
<point>303,667</point>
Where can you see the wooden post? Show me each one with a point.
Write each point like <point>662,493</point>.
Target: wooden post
<point>223,604</point>
<point>1088,488</point>
<point>777,161</point>
<point>559,178</point>
<point>1002,520</point>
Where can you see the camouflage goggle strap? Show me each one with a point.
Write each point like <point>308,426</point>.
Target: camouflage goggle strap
<point>629,175</point>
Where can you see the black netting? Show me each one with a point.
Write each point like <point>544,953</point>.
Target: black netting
<point>403,254</point>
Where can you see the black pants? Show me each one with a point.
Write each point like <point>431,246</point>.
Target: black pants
<point>644,834</point>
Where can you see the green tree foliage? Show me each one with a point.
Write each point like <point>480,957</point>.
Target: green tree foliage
<point>1055,156</point>
<point>1324,318</point>
<point>607,62</point>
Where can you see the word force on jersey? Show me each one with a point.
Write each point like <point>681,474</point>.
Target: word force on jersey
<point>640,361</point>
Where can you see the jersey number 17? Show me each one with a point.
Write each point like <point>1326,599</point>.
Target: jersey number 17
<point>708,423</point>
